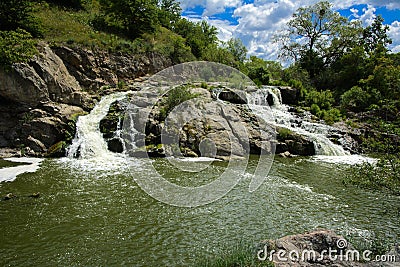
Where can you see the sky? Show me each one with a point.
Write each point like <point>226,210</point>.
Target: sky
<point>255,22</point>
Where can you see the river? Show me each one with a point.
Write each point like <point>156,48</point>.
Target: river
<point>102,217</point>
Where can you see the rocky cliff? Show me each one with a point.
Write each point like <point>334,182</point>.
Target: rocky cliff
<point>40,100</point>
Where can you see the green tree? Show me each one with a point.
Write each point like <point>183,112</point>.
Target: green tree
<point>169,13</point>
<point>237,49</point>
<point>257,70</point>
<point>133,17</point>
<point>375,37</point>
<point>198,35</point>
<point>15,14</point>
<point>318,36</point>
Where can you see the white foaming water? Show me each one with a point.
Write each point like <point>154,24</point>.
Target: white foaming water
<point>10,174</point>
<point>348,159</point>
<point>315,132</point>
<point>88,150</point>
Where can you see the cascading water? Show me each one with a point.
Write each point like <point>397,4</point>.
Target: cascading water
<point>316,132</point>
<point>89,146</point>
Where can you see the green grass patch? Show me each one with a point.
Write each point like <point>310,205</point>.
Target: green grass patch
<point>238,255</point>
<point>73,27</point>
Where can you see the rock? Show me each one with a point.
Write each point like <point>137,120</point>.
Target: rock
<point>9,196</point>
<point>34,195</point>
<point>294,143</point>
<point>115,145</point>
<point>290,96</point>
<point>43,79</point>
<point>286,154</point>
<point>35,144</point>
<point>94,68</point>
<point>233,96</point>
<point>315,247</point>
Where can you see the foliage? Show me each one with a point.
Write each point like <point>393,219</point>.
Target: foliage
<point>219,54</point>
<point>284,133</point>
<point>16,46</point>
<point>76,4</point>
<point>323,99</point>
<point>169,13</point>
<point>198,35</point>
<point>355,99</point>
<point>262,71</point>
<point>384,175</point>
<point>237,49</point>
<point>175,97</point>
<point>18,14</point>
<point>170,45</point>
<point>131,17</point>
<point>324,35</point>
<point>375,37</point>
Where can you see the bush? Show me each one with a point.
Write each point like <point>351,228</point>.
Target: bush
<point>323,99</point>
<point>331,116</point>
<point>315,109</point>
<point>284,133</point>
<point>175,97</point>
<point>384,175</point>
<point>355,99</point>
<point>16,46</point>
<point>17,14</point>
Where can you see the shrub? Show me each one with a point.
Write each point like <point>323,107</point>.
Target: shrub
<point>284,133</point>
<point>355,99</point>
<point>331,116</point>
<point>175,97</point>
<point>17,14</point>
<point>315,109</point>
<point>323,99</point>
<point>16,46</point>
<point>384,175</point>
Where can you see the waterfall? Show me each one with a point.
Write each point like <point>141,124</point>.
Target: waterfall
<point>316,132</point>
<point>89,141</point>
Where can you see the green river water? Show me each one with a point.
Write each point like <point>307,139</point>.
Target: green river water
<point>103,218</point>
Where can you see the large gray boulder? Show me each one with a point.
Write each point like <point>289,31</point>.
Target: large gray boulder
<point>45,78</point>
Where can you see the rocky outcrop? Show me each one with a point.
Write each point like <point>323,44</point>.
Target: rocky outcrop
<point>38,98</point>
<point>43,79</point>
<point>201,127</point>
<point>317,249</point>
<point>35,131</point>
<point>290,95</point>
<point>293,144</point>
<point>95,68</point>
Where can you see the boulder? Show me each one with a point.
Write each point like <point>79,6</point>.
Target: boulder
<point>290,95</point>
<point>115,145</point>
<point>233,96</point>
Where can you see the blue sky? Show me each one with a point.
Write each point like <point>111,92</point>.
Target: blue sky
<point>255,22</point>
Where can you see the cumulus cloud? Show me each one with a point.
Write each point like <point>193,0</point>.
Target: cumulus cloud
<point>211,7</point>
<point>394,33</point>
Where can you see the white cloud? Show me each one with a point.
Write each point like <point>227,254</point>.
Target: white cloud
<point>394,33</point>
<point>211,6</point>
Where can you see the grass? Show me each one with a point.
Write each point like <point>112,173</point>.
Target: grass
<point>238,255</point>
<point>68,26</point>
